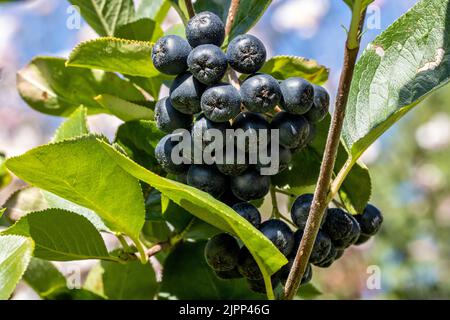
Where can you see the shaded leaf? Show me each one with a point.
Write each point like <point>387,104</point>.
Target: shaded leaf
<point>43,277</point>
<point>187,276</point>
<point>153,9</point>
<point>141,30</point>
<point>124,110</point>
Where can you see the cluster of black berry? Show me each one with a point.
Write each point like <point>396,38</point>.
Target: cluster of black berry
<point>200,100</point>
<point>339,231</point>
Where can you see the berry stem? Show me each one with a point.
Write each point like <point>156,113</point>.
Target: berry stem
<point>275,211</point>
<point>231,16</point>
<point>190,8</point>
<point>321,199</point>
<point>123,242</point>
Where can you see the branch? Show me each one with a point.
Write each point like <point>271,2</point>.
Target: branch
<point>320,201</point>
<point>231,16</point>
<point>190,8</point>
<point>156,249</point>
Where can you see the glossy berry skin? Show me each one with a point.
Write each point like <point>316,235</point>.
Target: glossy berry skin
<point>233,169</point>
<point>280,234</point>
<point>370,220</point>
<point>185,93</point>
<point>250,185</point>
<point>339,253</point>
<point>229,198</point>
<point>247,265</point>
<point>170,53</point>
<point>169,119</point>
<point>338,225</point>
<point>221,102</point>
<point>329,259</point>
<point>252,124</point>
<point>228,275</point>
<point>246,54</point>
<point>298,95</point>
<point>260,93</point>
<point>205,28</point>
<point>354,233</point>
<point>286,269</point>
<point>200,129</point>
<point>320,107</point>
<point>221,252</point>
<point>163,154</point>
<point>300,210</point>
<point>284,159</point>
<point>207,63</point>
<point>293,129</point>
<point>312,133</point>
<point>208,179</point>
<point>321,248</point>
<point>232,164</point>
<point>249,212</point>
<point>363,238</point>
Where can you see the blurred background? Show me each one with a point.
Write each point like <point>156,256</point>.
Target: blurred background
<point>409,165</point>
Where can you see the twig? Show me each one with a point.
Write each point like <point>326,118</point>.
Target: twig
<point>231,16</point>
<point>275,211</point>
<point>320,200</point>
<point>190,8</point>
<point>150,252</point>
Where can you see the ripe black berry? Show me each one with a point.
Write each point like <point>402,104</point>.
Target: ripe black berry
<point>338,225</point>
<point>249,212</point>
<point>221,102</point>
<point>300,210</point>
<point>169,119</point>
<point>199,131</point>
<point>163,154</point>
<point>232,164</point>
<point>250,185</point>
<point>247,265</point>
<point>286,269</point>
<point>185,93</point>
<point>207,63</point>
<point>170,54</point>
<point>246,54</point>
<point>205,28</point>
<point>253,125</point>
<point>207,178</point>
<point>320,106</point>
<point>363,238</point>
<point>221,252</point>
<point>370,220</point>
<point>329,259</point>
<point>259,286</point>
<point>293,129</point>
<point>280,234</point>
<point>260,93</point>
<point>297,95</point>
<point>284,159</point>
<point>321,248</point>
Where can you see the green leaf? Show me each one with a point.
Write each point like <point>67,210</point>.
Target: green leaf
<point>105,16</point>
<point>48,86</point>
<point>81,172</point>
<point>74,126</point>
<point>60,235</point>
<point>139,139</point>
<point>210,210</point>
<point>2,211</point>
<point>15,254</point>
<point>403,66</point>
<point>152,85</point>
<point>5,177</point>
<point>141,30</point>
<point>187,276</point>
<point>308,292</point>
<point>177,29</point>
<point>283,67</point>
<point>219,7</point>
<point>130,281</point>
<point>30,199</point>
<point>364,3</point>
<point>73,294</point>
<point>124,110</point>
<point>129,57</point>
<point>43,277</point>
<point>154,9</point>
<point>249,13</point>
<point>302,176</point>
